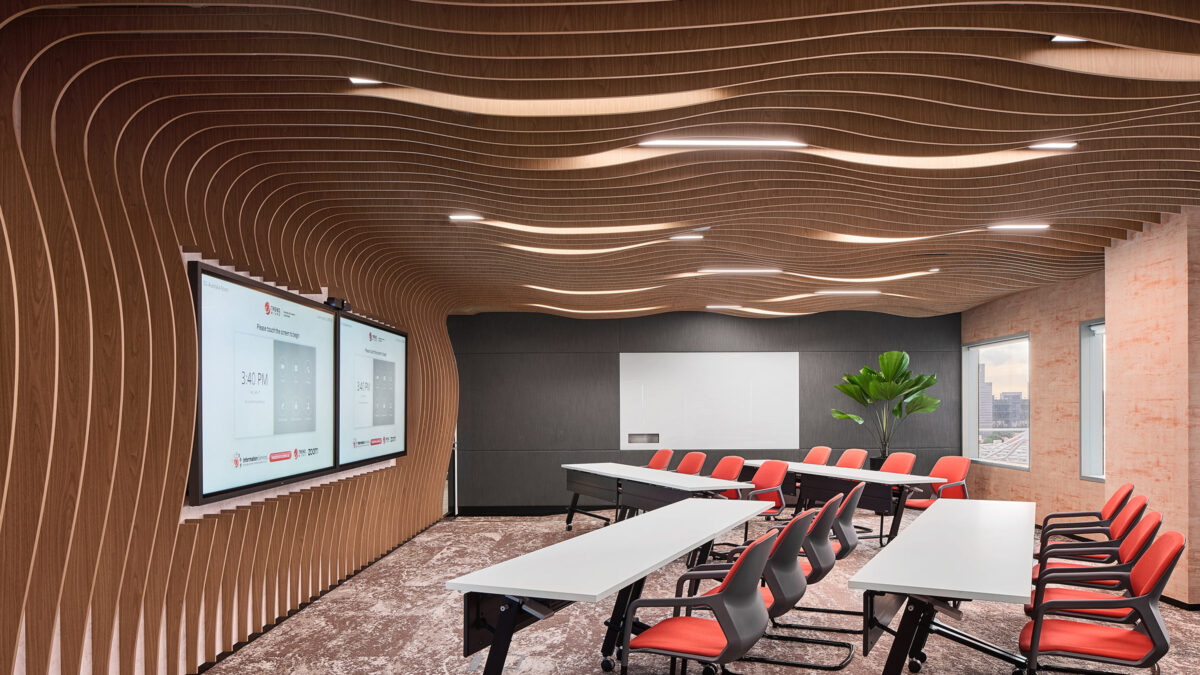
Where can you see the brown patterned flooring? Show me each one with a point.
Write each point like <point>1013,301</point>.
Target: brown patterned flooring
<point>397,617</point>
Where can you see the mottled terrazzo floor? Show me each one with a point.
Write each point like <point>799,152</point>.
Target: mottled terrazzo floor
<point>397,617</point>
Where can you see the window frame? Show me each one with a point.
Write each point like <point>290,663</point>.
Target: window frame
<point>970,401</point>
<point>1087,398</point>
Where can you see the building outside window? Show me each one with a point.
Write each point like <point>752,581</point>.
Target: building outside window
<point>1091,399</point>
<point>996,401</point>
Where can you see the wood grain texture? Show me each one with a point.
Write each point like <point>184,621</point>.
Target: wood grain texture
<point>132,131</point>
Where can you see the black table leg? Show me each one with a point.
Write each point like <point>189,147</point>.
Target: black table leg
<point>906,636</point>
<point>502,638</point>
<point>571,510</point>
<point>616,623</point>
<point>897,516</point>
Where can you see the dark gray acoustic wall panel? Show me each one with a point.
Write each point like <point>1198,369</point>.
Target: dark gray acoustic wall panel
<point>538,391</point>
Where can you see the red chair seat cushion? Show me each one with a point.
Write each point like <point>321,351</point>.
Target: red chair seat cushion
<point>1074,566</point>
<point>837,547</point>
<point>1053,594</point>
<point>1074,637</point>
<point>919,503</point>
<point>806,567</point>
<point>683,634</point>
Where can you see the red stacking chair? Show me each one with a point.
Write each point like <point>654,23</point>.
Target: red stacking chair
<point>661,459</point>
<point>1103,517</point>
<point>854,458</point>
<point>899,462</point>
<point>768,487</point>
<point>818,455</point>
<point>896,462</point>
<point>1113,534</point>
<point>691,463</point>
<point>785,585</point>
<point>1140,642</point>
<point>739,617</point>
<point>729,468</point>
<point>954,470</point>
<point>1128,553</point>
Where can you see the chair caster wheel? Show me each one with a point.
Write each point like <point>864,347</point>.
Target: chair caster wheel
<point>914,666</point>
<point>608,665</point>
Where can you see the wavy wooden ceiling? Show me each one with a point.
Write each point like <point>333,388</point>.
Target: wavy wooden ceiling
<point>917,119</point>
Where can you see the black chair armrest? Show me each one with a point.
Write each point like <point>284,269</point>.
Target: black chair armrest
<point>1069,549</point>
<point>937,489</point>
<point>1067,514</point>
<point>697,575</point>
<point>1068,531</point>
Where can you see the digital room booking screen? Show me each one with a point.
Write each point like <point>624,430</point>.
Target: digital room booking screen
<point>266,387</point>
<point>371,367</point>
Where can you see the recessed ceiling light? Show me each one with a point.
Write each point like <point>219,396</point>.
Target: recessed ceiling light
<point>1054,145</point>
<point>363,80</point>
<point>721,143</point>
<point>723,306</point>
<point>612,292</point>
<point>740,271</point>
<point>465,216</point>
<point>847,291</point>
<point>1020,226</point>
<point>1066,38</point>
<point>687,237</point>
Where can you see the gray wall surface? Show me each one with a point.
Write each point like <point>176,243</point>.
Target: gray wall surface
<point>537,391</point>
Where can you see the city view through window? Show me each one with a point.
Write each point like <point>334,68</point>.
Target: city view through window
<point>1003,402</point>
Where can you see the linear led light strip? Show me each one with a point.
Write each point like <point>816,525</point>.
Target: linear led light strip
<point>597,311</point>
<point>721,143</point>
<point>612,292</point>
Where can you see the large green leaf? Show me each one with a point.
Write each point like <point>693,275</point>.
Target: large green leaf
<point>918,384</point>
<point>846,416</point>
<point>855,392</point>
<point>892,364</point>
<point>922,404</point>
<point>863,382</point>
<point>884,390</point>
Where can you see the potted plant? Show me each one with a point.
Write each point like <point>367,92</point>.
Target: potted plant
<point>889,396</point>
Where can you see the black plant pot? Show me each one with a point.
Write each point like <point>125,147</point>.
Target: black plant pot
<point>873,463</point>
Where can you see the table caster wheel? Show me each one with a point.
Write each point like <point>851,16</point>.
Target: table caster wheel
<point>569,528</point>
<point>710,669</point>
<point>920,656</point>
<point>608,665</point>
<point>914,666</point>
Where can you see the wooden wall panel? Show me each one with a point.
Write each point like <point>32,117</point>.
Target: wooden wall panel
<point>132,131</point>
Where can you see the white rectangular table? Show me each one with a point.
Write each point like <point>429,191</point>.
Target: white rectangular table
<point>502,599</point>
<point>636,487</point>
<point>821,482</point>
<point>958,550</point>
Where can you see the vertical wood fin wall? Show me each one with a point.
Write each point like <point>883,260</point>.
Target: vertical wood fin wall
<point>98,199</point>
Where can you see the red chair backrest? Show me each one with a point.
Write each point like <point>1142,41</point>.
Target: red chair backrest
<point>1139,536</point>
<point>954,469</point>
<point>852,459</point>
<point>1116,501</point>
<point>729,468</point>
<point>661,459</point>
<point>691,463</point>
<point>1157,562</point>
<point>818,455</point>
<point>1128,516</point>
<point>770,475</point>
<point>899,462</point>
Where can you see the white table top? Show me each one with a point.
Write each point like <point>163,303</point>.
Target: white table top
<point>966,549</point>
<point>592,566</point>
<point>864,475</point>
<point>669,479</point>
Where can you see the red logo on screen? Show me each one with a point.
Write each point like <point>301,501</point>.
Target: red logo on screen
<point>237,460</point>
<point>267,308</point>
<point>280,456</point>
<point>370,336</point>
<point>376,441</point>
<point>295,454</point>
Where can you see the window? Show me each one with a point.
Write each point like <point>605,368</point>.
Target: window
<point>996,401</point>
<point>1091,399</point>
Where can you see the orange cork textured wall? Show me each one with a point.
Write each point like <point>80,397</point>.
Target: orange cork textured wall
<point>1051,316</point>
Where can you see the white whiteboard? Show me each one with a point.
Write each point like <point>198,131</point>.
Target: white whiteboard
<point>711,400</point>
